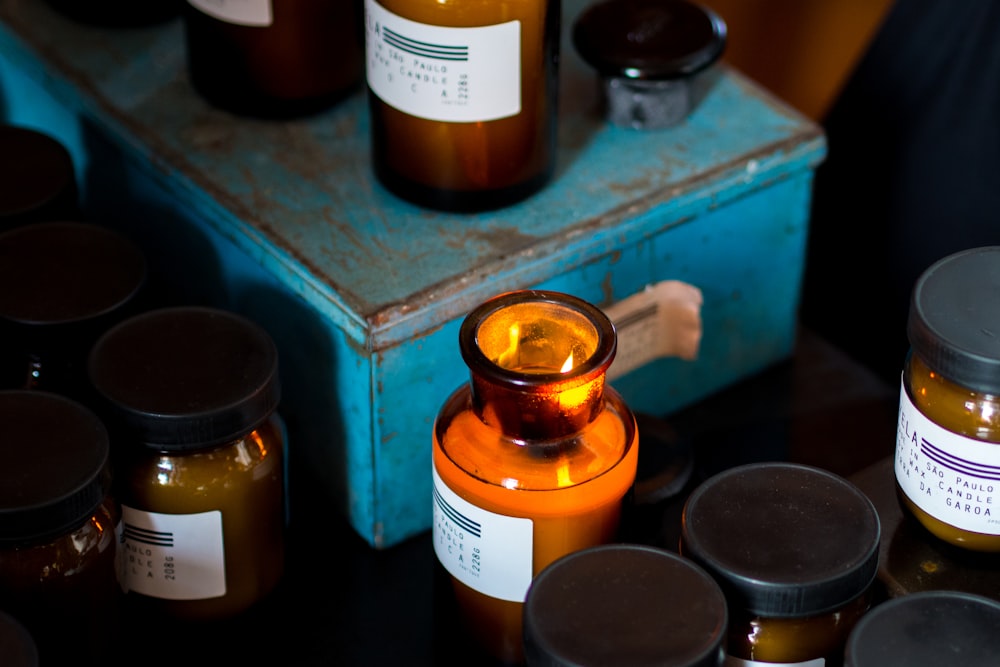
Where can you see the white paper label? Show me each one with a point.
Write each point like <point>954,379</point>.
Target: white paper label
<point>459,75</point>
<point>664,320</point>
<point>255,13</point>
<point>488,552</point>
<point>953,478</point>
<point>173,556</point>
<point>740,662</point>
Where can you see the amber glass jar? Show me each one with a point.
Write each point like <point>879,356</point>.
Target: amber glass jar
<point>58,521</point>
<point>947,463</point>
<point>192,395</point>
<point>532,460</point>
<point>624,604</point>
<point>795,549</point>
<point>463,97</point>
<point>274,58</point>
<point>37,176</point>
<point>83,278</point>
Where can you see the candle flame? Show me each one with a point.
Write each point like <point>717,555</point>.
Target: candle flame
<point>568,364</point>
<point>536,362</point>
<point>563,478</point>
<point>508,358</point>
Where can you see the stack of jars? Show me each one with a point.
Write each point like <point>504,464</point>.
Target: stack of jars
<point>142,463</point>
<point>776,565</point>
<point>462,95</point>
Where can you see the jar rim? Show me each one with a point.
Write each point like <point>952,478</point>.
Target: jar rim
<point>596,363</point>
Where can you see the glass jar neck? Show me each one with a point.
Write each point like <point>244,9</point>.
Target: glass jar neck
<point>538,361</point>
<point>539,412</point>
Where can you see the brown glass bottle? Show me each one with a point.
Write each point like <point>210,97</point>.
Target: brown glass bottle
<point>536,448</point>
<point>58,527</point>
<point>274,58</point>
<point>192,395</point>
<point>463,99</point>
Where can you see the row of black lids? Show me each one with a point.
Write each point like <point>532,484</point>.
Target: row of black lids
<point>463,96</point>
<point>142,464</point>
<point>797,552</point>
<point>776,564</point>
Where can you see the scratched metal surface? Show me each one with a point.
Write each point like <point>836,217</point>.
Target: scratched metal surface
<point>300,196</point>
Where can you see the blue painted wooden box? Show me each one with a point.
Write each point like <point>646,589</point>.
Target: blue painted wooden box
<point>364,293</point>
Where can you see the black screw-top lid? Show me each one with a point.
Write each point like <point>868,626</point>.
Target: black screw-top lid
<point>186,378</point>
<point>64,272</point>
<point>783,539</point>
<point>649,39</point>
<point>954,320</point>
<point>927,629</point>
<point>624,604</point>
<point>37,178</point>
<point>54,469</point>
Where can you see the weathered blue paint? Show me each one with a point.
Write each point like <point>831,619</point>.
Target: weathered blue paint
<point>364,292</point>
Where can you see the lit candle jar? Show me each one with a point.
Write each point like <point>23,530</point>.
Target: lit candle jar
<point>532,459</point>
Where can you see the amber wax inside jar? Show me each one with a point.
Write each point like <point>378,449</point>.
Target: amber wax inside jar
<point>192,393</point>
<point>795,549</point>
<point>532,459</point>
<point>947,463</point>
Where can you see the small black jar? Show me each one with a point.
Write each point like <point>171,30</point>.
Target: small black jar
<point>624,604</point>
<point>64,284</point>
<point>927,629</point>
<point>795,549</point>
